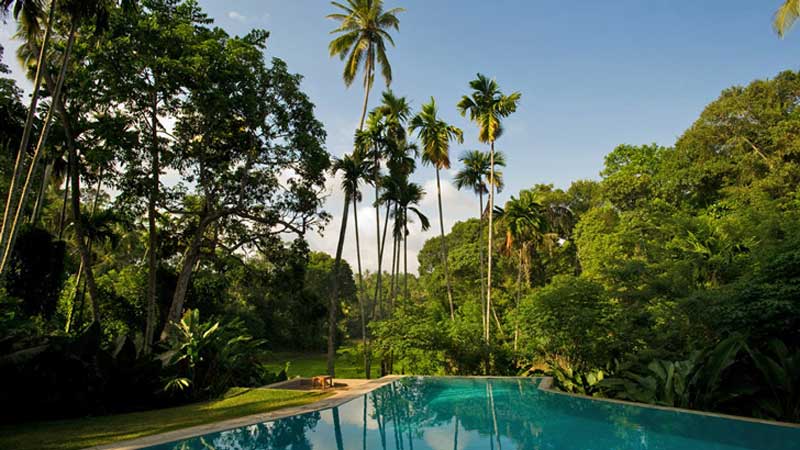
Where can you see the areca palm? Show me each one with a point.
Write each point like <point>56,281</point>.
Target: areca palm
<point>401,196</point>
<point>474,175</point>
<point>354,168</point>
<point>435,135</point>
<point>786,15</point>
<point>524,221</point>
<point>372,143</point>
<point>487,106</point>
<point>363,34</point>
<point>409,197</point>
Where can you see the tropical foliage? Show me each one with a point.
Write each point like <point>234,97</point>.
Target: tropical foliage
<point>163,179</point>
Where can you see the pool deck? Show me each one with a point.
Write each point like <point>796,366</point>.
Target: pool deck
<point>353,389</point>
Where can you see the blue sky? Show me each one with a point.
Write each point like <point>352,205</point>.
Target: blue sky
<point>592,75</point>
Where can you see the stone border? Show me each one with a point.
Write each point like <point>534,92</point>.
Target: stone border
<point>337,399</point>
<point>547,385</point>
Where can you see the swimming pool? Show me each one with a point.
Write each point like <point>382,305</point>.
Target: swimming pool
<point>428,413</point>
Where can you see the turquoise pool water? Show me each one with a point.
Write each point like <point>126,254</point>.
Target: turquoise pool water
<point>420,413</point>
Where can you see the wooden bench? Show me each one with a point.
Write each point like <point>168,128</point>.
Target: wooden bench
<point>323,381</point>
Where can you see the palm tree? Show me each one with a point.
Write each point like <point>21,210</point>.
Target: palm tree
<point>77,14</point>
<point>411,195</point>
<point>355,168</point>
<point>372,143</point>
<point>524,221</point>
<point>363,34</point>
<point>435,135</point>
<point>474,175</point>
<point>487,106</point>
<point>387,125</point>
<point>28,13</point>
<point>395,110</point>
<point>785,16</point>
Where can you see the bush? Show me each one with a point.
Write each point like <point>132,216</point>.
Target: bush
<point>204,359</point>
<point>57,377</point>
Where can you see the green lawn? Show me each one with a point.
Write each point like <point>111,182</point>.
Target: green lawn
<point>86,432</point>
<point>311,364</point>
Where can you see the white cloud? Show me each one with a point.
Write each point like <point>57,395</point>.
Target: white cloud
<point>235,15</point>
<point>457,206</point>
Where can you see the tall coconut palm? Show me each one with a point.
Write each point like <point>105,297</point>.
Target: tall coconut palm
<point>474,175</point>
<point>363,33</point>
<point>785,16</point>
<point>435,135</point>
<point>487,106</point>
<point>355,169</point>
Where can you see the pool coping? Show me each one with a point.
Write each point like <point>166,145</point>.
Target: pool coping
<point>336,399</point>
<point>547,385</point>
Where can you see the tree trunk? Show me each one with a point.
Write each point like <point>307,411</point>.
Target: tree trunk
<point>152,230</point>
<point>63,219</point>
<point>16,175</point>
<point>37,206</point>
<point>405,253</point>
<point>367,88</point>
<point>444,248</point>
<point>190,259</point>
<point>364,336</point>
<point>381,253</point>
<point>519,292</point>
<point>376,181</point>
<point>489,250</point>
<point>480,253</point>
<point>79,232</point>
<point>335,290</point>
<point>393,279</point>
<point>37,152</point>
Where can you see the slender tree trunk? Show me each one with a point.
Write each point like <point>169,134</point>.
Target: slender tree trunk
<point>71,310</point>
<point>79,232</point>
<point>367,88</point>
<point>480,252</point>
<point>152,229</point>
<point>376,181</point>
<point>394,268</point>
<point>16,175</point>
<point>334,302</point>
<point>444,248</point>
<point>43,135</point>
<point>364,336</point>
<point>405,252</point>
<point>62,222</point>
<point>489,249</point>
<point>519,292</point>
<point>381,253</point>
<point>37,206</point>
<point>90,244</point>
